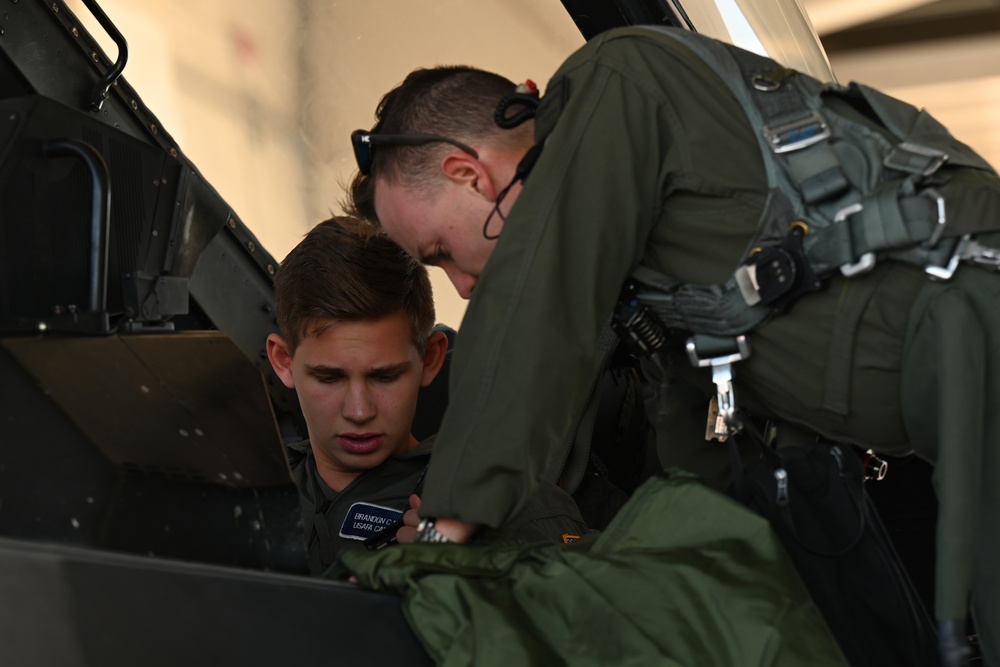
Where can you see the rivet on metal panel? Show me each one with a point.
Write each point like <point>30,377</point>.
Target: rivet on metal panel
<point>134,104</point>
<point>270,269</point>
<point>93,56</point>
<point>173,152</point>
<point>153,128</point>
<point>232,223</point>
<point>55,7</point>
<point>75,31</point>
<point>250,246</point>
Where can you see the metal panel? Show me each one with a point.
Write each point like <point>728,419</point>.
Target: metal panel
<point>64,607</point>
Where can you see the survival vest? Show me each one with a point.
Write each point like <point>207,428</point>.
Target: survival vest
<point>843,194</point>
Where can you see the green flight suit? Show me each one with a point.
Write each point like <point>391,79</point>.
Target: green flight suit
<point>649,160</point>
<point>378,497</point>
<point>335,522</point>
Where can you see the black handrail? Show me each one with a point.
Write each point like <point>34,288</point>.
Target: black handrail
<point>104,85</point>
<point>100,215</point>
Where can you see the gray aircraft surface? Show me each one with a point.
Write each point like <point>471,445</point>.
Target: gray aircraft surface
<point>147,513</point>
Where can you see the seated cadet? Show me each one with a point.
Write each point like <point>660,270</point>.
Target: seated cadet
<point>356,315</point>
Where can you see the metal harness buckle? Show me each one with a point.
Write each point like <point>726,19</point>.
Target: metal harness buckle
<point>915,159</point>
<point>947,271</point>
<point>722,375</point>
<point>967,250</point>
<point>867,261</point>
<point>942,219</point>
<point>798,133</point>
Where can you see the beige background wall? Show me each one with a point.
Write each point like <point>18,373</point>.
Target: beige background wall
<point>262,94</point>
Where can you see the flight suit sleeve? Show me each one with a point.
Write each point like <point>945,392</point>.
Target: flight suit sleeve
<point>525,356</point>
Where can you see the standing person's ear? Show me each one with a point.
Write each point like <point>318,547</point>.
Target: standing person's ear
<point>434,353</point>
<point>467,171</point>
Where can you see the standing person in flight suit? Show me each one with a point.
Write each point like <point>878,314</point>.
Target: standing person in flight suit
<point>648,161</point>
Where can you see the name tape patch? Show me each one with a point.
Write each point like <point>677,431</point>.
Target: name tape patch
<point>365,519</point>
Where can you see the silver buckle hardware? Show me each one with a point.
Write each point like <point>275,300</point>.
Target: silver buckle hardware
<point>942,219</point>
<point>915,159</point>
<point>781,482</point>
<point>798,133</point>
<point>867,261</point>
<point>746,281</point>
<point>722,374</point>
<point>946,272</point>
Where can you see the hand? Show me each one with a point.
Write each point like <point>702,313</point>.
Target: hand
<point>453,529</point>
<point>408,533</point>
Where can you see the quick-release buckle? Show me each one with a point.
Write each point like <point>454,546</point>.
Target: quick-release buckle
<point>942,219</point>
<point>797,134</point>
<point>722,375</point>
<point>915,159</point>
<point>867,261</point>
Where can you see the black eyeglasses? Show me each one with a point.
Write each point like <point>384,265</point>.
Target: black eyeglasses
<point>364,144</point>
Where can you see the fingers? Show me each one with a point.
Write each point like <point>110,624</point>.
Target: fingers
<point>406,535</point>
<point>411,519</point>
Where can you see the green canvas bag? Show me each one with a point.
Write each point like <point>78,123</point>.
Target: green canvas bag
<point>683,575</point>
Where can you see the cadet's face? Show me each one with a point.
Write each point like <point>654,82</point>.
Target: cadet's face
<point>443,229</point>
<point>357,383</point>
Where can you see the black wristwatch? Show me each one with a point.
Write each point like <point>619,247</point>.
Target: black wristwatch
<point>426,532</point>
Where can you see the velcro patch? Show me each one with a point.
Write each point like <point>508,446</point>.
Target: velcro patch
<point>365,519</point>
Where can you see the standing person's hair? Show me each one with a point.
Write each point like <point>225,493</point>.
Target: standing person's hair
<point>457,102</point>
<point>348,270</point>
